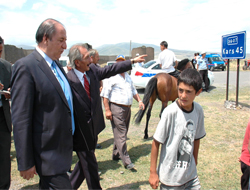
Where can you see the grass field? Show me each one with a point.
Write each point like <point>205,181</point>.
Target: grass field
<point>218,166</point>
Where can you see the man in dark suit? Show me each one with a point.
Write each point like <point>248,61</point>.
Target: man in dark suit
<point>5,122</point>
<point>42,110</point>
<point>89,122</point>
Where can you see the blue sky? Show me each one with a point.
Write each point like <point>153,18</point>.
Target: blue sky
<point>196,25</point>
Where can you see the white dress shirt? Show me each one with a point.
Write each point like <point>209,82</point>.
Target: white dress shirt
<point>119,90</point>
<point>79,75</point>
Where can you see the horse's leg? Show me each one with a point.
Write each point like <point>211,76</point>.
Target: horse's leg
<point>163,105</point>
<point>151,102</point>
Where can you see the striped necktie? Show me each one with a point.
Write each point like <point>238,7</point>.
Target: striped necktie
<point>86,85</point>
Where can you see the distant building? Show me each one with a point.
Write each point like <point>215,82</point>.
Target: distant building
<point>12,53</point>
<point>144,50</point>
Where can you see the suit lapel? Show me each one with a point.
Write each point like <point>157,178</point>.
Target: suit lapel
<point>78,88</point>
<point>48,72</point>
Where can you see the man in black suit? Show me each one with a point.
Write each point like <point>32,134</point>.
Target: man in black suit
<point>89,122</point>
<point>42,110</point>
<point>5,122</point>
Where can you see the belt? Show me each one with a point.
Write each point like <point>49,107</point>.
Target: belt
<point>121,105</point>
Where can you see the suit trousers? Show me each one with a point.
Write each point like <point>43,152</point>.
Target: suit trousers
<point>5,143</point>
<point>204,77</point>
<point>60,181</point>
<point>86,167</point>
<point>120,125</point>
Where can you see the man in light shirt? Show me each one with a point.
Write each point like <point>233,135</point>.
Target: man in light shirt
<point>166,59</point>
<point>203,68</point>
<point>118,93</point>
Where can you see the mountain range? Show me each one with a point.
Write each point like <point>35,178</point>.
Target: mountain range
<point>124,48</point>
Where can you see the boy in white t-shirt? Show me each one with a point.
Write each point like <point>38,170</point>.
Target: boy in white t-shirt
<point>179,132</point>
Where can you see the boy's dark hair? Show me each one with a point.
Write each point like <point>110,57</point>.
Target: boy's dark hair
<point>192,78</point>
<point>164,43</point>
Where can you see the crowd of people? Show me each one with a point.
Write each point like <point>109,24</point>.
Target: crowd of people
<point>54,114</point>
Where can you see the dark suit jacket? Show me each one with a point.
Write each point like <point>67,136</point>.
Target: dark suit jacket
<point>5,76</point>
<point>41,117</point>
<point>89,119</point>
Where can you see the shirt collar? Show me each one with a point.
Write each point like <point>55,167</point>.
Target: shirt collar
<point>46,57</point>
<point>79,74</point>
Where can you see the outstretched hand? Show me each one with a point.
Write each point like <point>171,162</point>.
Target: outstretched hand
<point>140,58</point>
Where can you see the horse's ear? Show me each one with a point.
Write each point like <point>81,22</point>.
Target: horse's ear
<point>198,92</point>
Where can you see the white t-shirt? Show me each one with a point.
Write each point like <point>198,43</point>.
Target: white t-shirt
<point>177,131</point>
<point>167,59</point>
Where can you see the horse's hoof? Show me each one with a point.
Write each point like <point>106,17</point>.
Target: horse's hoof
<point>146,137</point>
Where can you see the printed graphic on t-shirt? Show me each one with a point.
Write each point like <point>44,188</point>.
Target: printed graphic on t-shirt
<point>184,153</point>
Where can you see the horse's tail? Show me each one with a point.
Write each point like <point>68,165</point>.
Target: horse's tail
<point>152,84</point>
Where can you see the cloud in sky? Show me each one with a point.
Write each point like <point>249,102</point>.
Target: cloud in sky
<point>185,24</point>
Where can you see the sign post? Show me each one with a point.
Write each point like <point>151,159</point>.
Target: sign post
<point>234,47</point>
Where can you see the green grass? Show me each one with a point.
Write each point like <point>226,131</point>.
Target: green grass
<point>218,166</point>
<point>233,65</point>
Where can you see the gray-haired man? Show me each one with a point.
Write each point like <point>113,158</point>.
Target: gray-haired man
<point>89,121</point>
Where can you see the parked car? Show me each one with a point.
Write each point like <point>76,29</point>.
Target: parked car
<point>141,76</point>
<point>215,62</point>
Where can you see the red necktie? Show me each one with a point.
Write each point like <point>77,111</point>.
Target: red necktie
<point>86,85</point>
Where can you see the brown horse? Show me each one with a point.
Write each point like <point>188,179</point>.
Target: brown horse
<point>162,86</point>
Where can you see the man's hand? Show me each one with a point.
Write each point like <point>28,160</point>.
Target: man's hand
<point>28,174</point>
<point>1,86</point>
<point>108,115</point>
<point>140,58</point>
<point>141,105</point>
<point>7,96</point>
<point>154,180</point>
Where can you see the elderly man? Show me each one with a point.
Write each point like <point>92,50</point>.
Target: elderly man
<point>42,110</point>
<point>166,59</point>
<point>84,80</point>
<point>118,93</point>
<point>5,121</point>
<point>203,68</point>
